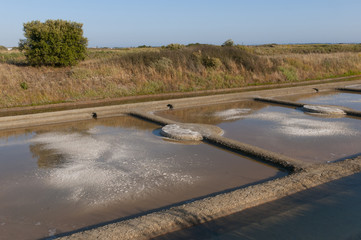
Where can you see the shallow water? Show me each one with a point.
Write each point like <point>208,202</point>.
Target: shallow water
<point>289,131</point>
<point>59,178</point>
<point>350,100</point>
<point>330,211</point>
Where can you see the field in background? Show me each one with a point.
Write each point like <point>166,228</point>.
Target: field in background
<point>111,73</point>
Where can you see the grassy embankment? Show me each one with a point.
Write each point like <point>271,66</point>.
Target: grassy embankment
<point>111,73</point>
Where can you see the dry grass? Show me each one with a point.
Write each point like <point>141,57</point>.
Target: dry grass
<point>108,73</point>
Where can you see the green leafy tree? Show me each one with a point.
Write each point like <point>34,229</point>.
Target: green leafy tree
<point>53,43</point>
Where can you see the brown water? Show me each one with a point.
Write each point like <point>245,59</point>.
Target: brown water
<point>289,131</point>
<point>60,178</point>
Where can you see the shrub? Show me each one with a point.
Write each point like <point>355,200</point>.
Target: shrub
<point>53,43</point>
<point>12,57</point>
<point>289,73</point>
<point>144,46</point>
<point>2,48</point>
<point>228,43</point>
<point>24,85</point>
<point>211,62</point>
<point>163,64</point>
<point>174,46</point>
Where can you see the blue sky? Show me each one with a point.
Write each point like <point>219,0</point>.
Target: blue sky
<point>111,23</point>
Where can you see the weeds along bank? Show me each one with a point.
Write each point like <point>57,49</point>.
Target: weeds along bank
<point>109,73</point>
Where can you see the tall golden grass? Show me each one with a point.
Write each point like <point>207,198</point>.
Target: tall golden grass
<point>108,73</point>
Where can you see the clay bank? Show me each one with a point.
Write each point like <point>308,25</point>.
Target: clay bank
<point>101,146</point>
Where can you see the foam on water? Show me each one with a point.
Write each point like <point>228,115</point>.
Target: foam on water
<point>296,125</point>
<point>232,114</point>
<point>102,168</point>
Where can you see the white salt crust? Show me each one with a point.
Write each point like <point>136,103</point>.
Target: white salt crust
<point>99,169</point>
<point>323,109</point>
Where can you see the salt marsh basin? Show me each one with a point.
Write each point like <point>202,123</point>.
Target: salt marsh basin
<point>288,131</point>
<point>192,211</point>
<point>59,178</point>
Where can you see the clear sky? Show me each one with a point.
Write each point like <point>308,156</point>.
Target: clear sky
<point>112,23</point>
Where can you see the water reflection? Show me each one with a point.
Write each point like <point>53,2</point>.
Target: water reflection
<point>50,158</point>
<point>214,114</point>
<point>349,100</point>
<point>330,211</point>
<point>46,158</point>
<point>62,177</point>
<point>288,131</point>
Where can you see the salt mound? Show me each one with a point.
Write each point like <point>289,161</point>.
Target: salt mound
<point>323,109</point>
<point>178,132</point>
<point>190,131</point>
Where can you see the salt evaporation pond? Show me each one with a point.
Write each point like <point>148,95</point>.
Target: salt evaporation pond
<point>331,211</point>
<point>350,100</point>
<point>287,131</point>
<point>64,177</point>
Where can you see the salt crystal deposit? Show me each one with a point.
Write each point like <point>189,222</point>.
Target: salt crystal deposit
<point>232,114</point>
<point>104,168</point>
<point>323,109</point>
<point>297,125</point>
<point>178,132</point>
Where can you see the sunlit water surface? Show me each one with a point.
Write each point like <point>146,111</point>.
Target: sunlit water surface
<point>330,211</point>
<point>60,178</point>
<point>289,131</point>
<point>349,100</point>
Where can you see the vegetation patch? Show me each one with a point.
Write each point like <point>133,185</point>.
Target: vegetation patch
<point>24,85</point>
<point>110,73</point>
<point>53,43</point>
